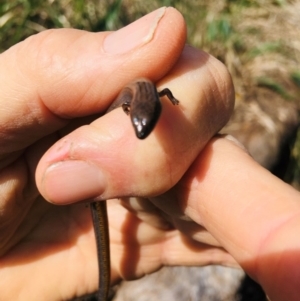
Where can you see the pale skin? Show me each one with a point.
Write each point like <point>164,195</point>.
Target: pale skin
<point>202,200</point>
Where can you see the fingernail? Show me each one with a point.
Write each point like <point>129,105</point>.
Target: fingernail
<point>135,34</point>
<point>70,181</point>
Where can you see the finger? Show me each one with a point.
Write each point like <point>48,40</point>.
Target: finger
<point>146,211</point>
<point>253,214</point>
<point>61,74</point>
<point>105,159</point>
<point>158,246</point>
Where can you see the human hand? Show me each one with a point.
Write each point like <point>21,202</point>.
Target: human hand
<point>81,160</point>
<point>252,214</point>
<point>50,85</point>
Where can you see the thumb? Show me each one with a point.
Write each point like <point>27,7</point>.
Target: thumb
<point>62,74</point>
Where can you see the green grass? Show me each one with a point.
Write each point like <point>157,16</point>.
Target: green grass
<point>295,77</point>
<point>274,86</point>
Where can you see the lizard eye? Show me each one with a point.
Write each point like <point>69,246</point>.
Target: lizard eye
<point>126,108</point>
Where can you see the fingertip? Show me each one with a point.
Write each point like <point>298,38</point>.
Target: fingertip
<point>72,181</point>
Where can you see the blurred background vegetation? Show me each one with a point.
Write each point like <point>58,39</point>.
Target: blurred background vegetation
<point>258,40</point>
